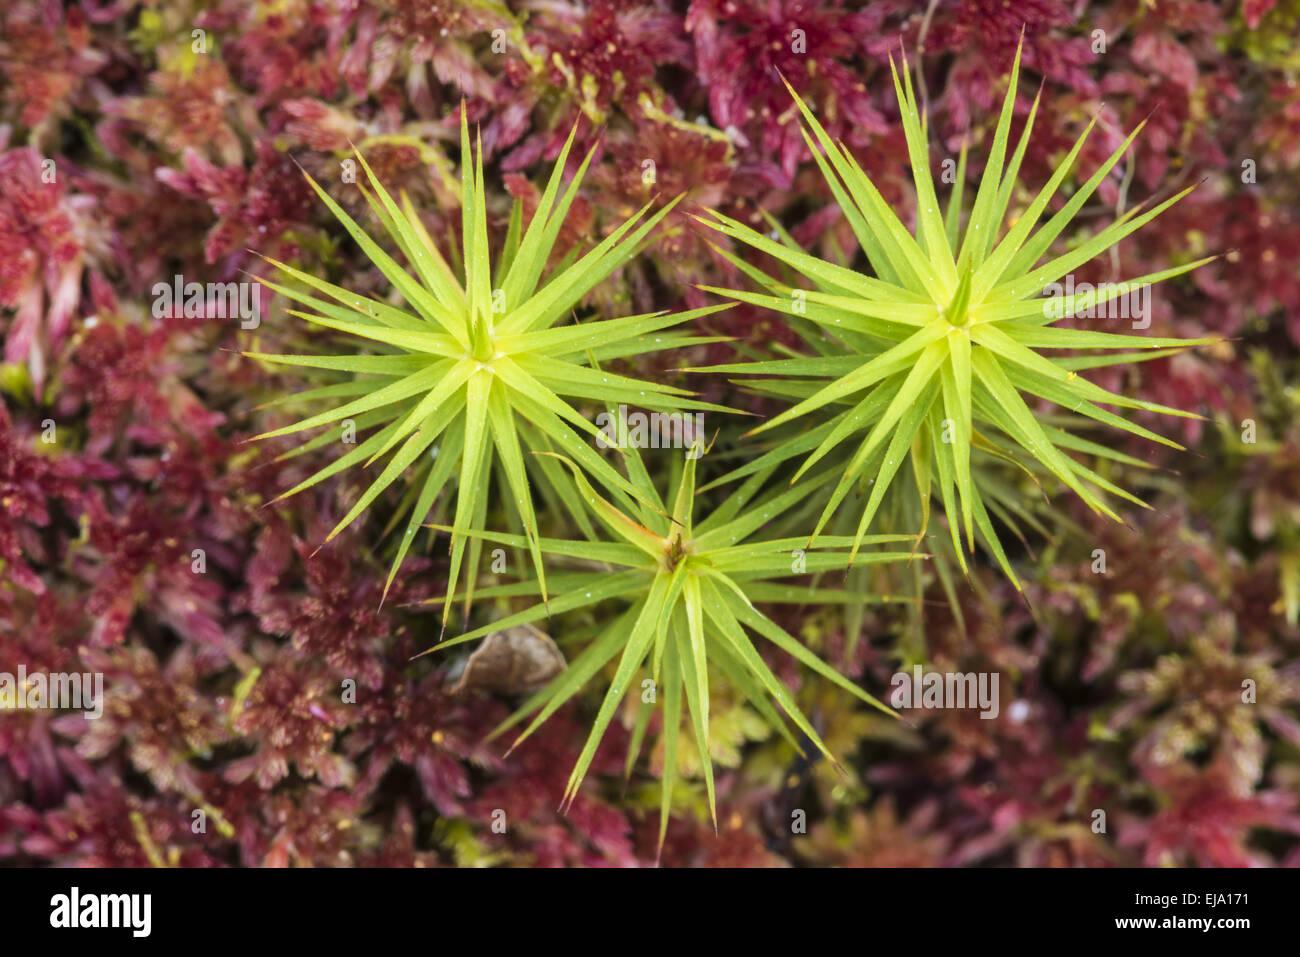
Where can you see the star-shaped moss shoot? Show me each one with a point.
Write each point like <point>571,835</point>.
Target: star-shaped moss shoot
<point>478,365</point>
<point>938,349</point>
<point>693,590</point>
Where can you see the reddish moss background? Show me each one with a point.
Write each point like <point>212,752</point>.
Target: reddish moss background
<point>1120,692</point>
